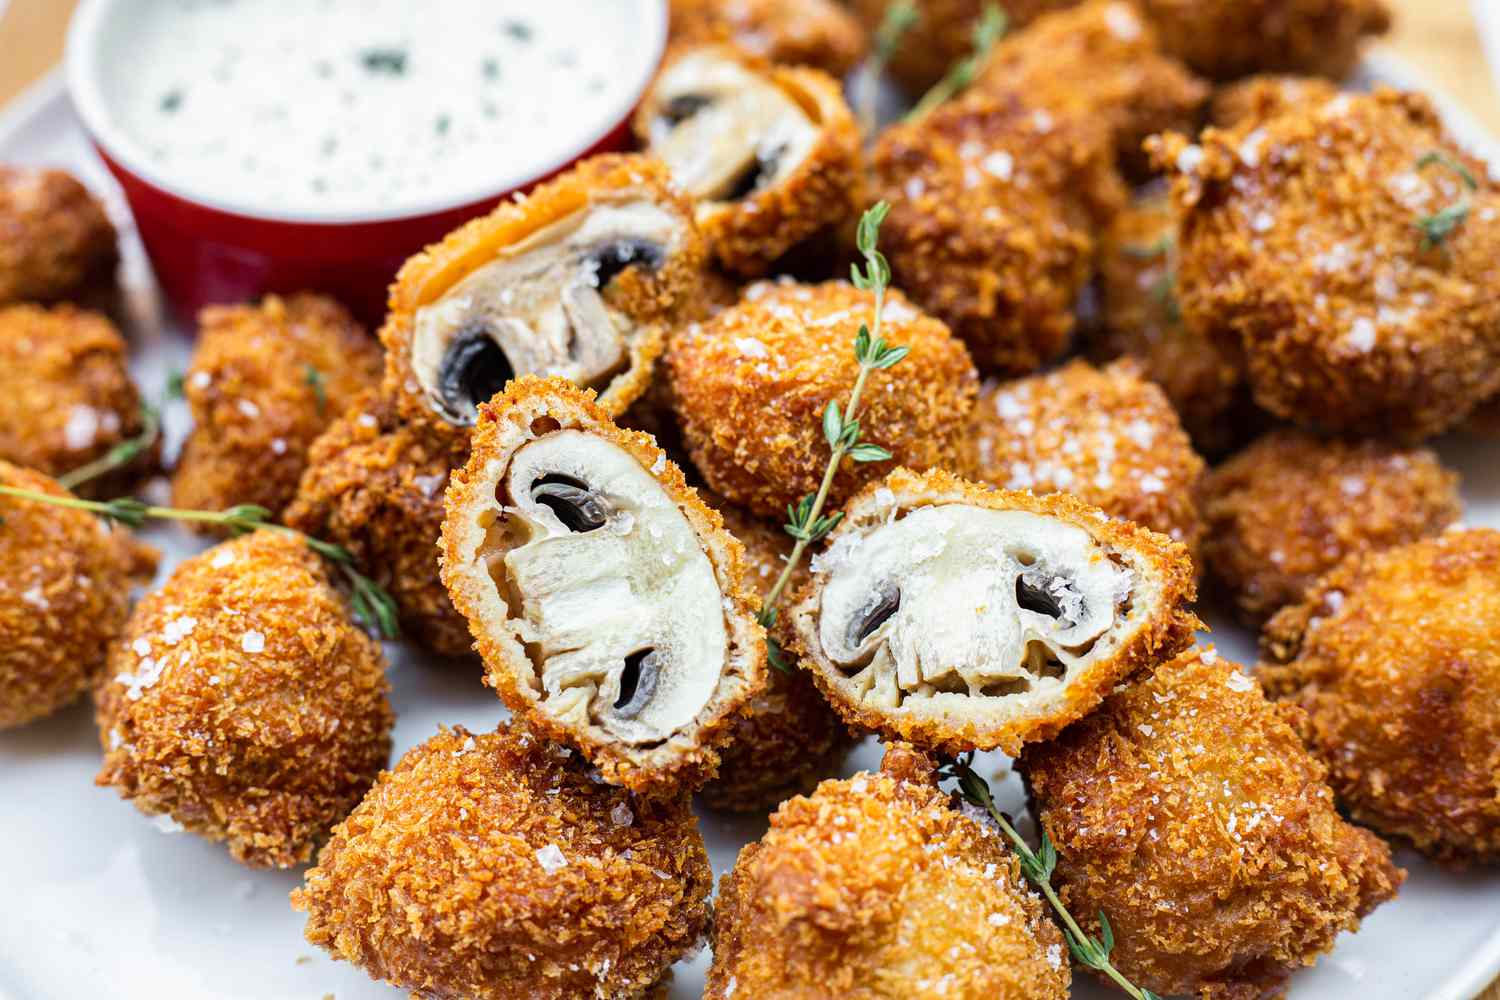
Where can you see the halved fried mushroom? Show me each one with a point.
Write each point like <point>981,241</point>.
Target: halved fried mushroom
<point>604,596</point>
<point>575,281</point>
<point>769,153</point>
<point>960,617</point>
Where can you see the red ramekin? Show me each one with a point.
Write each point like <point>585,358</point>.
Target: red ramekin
<point>208,250</point>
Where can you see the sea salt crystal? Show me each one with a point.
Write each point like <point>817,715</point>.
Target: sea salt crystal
<point>551,858</point>
<point>278,446</point>
<point>1239,682</point>
<point>621,815</point>
<point>750,347</point>
<point>201,380</point>
<point>1152,484</point>
<point>999,164</point>
<point>141,647</point>
<point>1189,159</point>
<point>222,558</point>
<point>367,420</point>
<point>36,598</point>
<point>997,920</point>
<point>178,629</point>
<point>1361,335</point>
<point>82,427</point>
<point>248,408</point>
<point>253,642</point>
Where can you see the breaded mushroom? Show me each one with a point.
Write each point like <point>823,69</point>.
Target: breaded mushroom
<point>1107,436</point>
<point>494,867</point>
<point>876,888</point>
<point>55,240</point>
<point>770,154</point>
<point>66,398</point>
<point>822,34</point>
<point>750,388</point>
<point>65,579</point>
<point>579,279</point>
<point>1292,506</point>
<point>1395,655</point>
<point>959,617</point>
<point>994,207</point>
<point>789,738</point>
<point>1140,319</point>
<point>1188,812</point>
<point>605,597</point>
<point>374,484</point>
<point>1342,249</point>
<point>264,382</point>
<point>243,704</point>
<point>1267,95</point>
<point>1099,64</point>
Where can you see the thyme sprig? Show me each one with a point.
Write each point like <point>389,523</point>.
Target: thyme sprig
<point>124,453</point>
<point>988,30</point>
<point>1164,288</point>
<point>1038,865</point>
<point>1438,226</point>
<point>806,521</point>
<point>373,605</point>
<point>318,383</point>
<point>898,20</point>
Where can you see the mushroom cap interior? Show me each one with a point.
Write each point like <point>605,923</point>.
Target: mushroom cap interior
<point>989,602</point>
<point>540,303</point>
<point>591,601</point>
<point>742,131</point>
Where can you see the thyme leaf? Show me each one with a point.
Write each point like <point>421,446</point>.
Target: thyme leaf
<point>988,30</point>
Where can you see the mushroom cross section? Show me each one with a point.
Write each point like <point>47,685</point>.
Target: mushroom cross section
<point>538,308</point>
<point>616,602</point>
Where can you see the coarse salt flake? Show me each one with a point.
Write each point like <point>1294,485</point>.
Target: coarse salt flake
<point>253,642</point>
<point>551,858</point>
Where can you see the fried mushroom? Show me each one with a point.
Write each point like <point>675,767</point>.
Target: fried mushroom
<point>243,704</point>
<point>1267,95</point>
<point>575,280</point>
<point>1187,810</point>
<point>769,153</point>
<point>822,34</point>
<point>604,596</point>
<point>958,617</point>
<point>492,866</point>
<point>875,888</point>
<point>55,239</point>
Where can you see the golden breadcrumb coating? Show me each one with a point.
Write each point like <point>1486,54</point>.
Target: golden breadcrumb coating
<point>264,382</point>
<point>875,888</point>
<point>522,616</point>
<point>1292,506</point>
<point>750,388</point>
<point>994,205</point>
<point>494,867</point>
<point>1187,810</point>
<point>1099,64</point>
<point>1225,39</point>
<point>55,239</point>
<point>822,34</point>
<point>64,596</point>
<point>649,296</point>
<point>940,709</point>
<point>1395,655</point>
<point>374,485</point>
<point>1107,436</point>
<point>1267,95</point>
<point>243,704</point>
<point>1300,243</point>
<point>1141,320</point>
<point>66,397</point>
<point>789,737</point>
<point>747,234</point>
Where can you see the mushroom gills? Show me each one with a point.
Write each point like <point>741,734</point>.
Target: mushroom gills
<point>612,595</point>
<point>538,307</point>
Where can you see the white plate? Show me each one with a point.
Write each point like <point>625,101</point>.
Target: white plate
<point>95,902</point>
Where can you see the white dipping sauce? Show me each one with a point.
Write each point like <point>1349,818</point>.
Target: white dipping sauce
<point>327,106</point>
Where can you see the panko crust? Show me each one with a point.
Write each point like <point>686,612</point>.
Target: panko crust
<point>652,298</point>
<point>55,239</point>
<point>747,237</point>
<point>789,738</point>
<point>1168,565</point>
<point>751,385</point>
<point>994,206</point>
<point>1226,39</point>
<point>265,381</point>
<point>822,34</point>
<point>492,867</point>
<point>374,484</point>
<point>243,703</point>
<point>1292,506</point>
<point>64,597</point>
<point>1267,95</point>
<point>1107,436</point>
<point>1395,655</point>
<point>1187,810</point>
<point>66,397</point>
<point>526,409</point>
<point>1099,64</point>
<point>875,888</point>
<point>1300,246</point>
